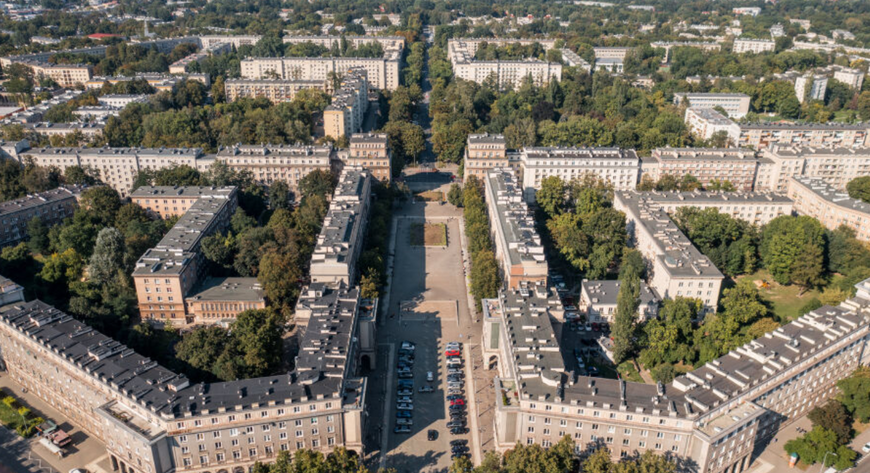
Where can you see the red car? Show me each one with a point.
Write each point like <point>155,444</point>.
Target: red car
<point>457,402</point>
<point>451,353</point>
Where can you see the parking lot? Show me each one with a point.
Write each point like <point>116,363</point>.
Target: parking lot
<point>427,307</point>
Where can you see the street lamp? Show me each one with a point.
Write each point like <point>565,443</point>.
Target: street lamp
<point>824,459</point>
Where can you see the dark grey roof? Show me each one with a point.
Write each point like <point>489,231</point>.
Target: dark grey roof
<point>829,193</point>
<point>38,200</point>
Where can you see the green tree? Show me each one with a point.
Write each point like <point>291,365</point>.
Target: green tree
<point>834,417</point>
<point>107,260</point>
<point>316,182</point>
<point>279,195</point>
<point>551,196</point>
<point>37,236</point>
<point>859,188</point>
<point>627,303</point>
<point>485,280</point>
<point>454,195</point>
<point>792,249</point>
<point>813,447</point>
<point>855,393</point>
<point>101,203</point>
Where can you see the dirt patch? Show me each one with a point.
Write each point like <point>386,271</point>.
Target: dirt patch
<point>428,234</point>
<point>431,196</point>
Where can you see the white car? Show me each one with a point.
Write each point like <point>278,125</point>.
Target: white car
<point>866,448</point>
<point>405,407</point>
<point>404,399</point>
<point>588,327</point>
<point>430,376</point>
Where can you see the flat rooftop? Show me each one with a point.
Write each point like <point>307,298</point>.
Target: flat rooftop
<point>605,292</point>
<point>830,194</point>
<point>228,289</point>
<point>515,220</point>
<point>38,200</point>
<point>707,197</point>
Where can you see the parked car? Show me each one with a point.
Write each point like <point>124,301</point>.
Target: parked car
<point>406,383</point>
<point>404,414</point>
<point>459,442</point>
<point>404,422</point>
<point>406,374</point>
<point>457,402</point>
<point>426,389</point>
<point>455,423</point>
<point>451,397</point>
<point>458,430</point>
<point>405,392</point>
<point>453,385</point>
<point>408,346</point>
<point>454,378</point>
<point>405,406</point>
<point>429,376</point>
<point>404,399</point>
<point>454,371</point>
<point>453,352</point>
<point>588,327</point>
<point>402,429</point>
<point>432,435</point>
<point>454,391</point>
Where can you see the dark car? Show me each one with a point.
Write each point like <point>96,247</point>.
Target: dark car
<point>432,435</point>
<point>455,423</point>
<point>458,430</point>
<point>454,397</point>
<point>404,414</point>
<point>459,442</point>
<point>459,449</point>
<point>457,408</point>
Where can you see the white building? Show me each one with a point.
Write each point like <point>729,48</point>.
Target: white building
<point>736,105</point>
<point>705,122</point>
<point>617,166</point>
<point>854,78</point>
<point>747,45</point>
<point>505,73</point>
<point>812,87</point>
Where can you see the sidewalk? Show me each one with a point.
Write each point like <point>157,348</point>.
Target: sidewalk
<point>85,452</point>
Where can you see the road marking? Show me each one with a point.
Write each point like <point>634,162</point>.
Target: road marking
<point>475,432</point>
<point>385,432</point>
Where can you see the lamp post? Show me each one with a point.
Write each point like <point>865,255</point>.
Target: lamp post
<point>824,459</point>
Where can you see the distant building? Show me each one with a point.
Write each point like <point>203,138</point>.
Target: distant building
<point>371,151</point>
<point>483,153</point>
<point>835,166</point>
<point>618,52</point>
<point>755,208</point>
<point>276,90</point>
<point>735,165</point>
<point>271,163</point>
<point>613,65</point>
<point>747,45</point>
<point>504,73</point>
<point>810,87</point>
<point>736,105</point>
<point>817,135</point>
<point>616,166</point>
<point>854,78</point>
<point>842,34</point>
<point>748,11</point>
<point>346,113</point>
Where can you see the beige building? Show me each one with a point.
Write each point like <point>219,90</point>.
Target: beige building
<point>713,417</point>
<point>854,78</point>
<point>221,300</point>
<point>833,208</point>
<point>381,73</point>
<point>617,52</point>
<point>483,153</point>
<point>327,41</point>
<point>841,135</point>
<point>87,130</point>
<point>152,420</point>
<point>748,45</point>
<point>166,274</point>
<point>678,267</point>
<point>756,208</point>
<point>616,166</point>
<point>346,113</point>
<point>504,73</point>
<point>276,90</point>
<point>705,122</point>
<point>339,243</point>
<point>371,151</point>
<point>735,105</point>
<point>735,165</point>
<point>51,207</point>
<point>271,163</point>
<point>518,247</point>
<point>66,75</point>
<point>598,299</point>
<point>835,166</point>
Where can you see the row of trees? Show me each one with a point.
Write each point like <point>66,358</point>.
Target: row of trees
<point>485,278</point>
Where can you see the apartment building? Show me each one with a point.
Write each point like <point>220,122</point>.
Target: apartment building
<point>678,267</point>
<point>668,45</point>
<point>49,129</point>
<point>483,153</point>
<point>518,247</point>
<point>153,420</point>
<point>705,122</point>
<point>598,299</point>
<point>346,113</point>
<point>331,41</point>
<point>618,52</point>
<point>237,41</point>
<point>735,165</point>
<point>610,64</point>
<point>117,166</point>
<point>371,151</point>
<point>736,105</point>
<point>271,163</point>
<point>381,73</point>
<point>762,135</point>
<point>276,90</point>
<point>168,273</point>
<point>161,82</point>
<point>756,208</point>
<point>122,100</point>
<point>51,207</point>
<point>617,166</point>
<point>66,75</point>
<point>854,78</point>
<point>572,59</point>
<point>810,87</point>
<point>831,207</point>
<point>339,243</point>
<point>503,73</point>
<point>749,45</point>
<point>836,166</point>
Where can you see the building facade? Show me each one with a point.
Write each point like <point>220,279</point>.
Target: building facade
<point>346,113</point>
<point>836,166</point>
<point>598,299</point>
<point>833,208</point>
<point>276,90</point>
<point>747,45</point>
<point>736,105</point>
<point>272,163</point>
<point>705,122</point>
<point>51,207</point>
<point>616,166</point>
<point>756,208</point>
<point>483,153</point>
<point>735,165</point>
<point>504,73</point>
<point>828,135</point>
<point>371,151</point>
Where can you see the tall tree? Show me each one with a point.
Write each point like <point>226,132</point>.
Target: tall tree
<point>107,259</point>
<point>627,303</point>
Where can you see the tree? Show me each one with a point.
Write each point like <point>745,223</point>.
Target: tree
<point>855,393</point>
<point>485,281</point>
<point>551,196</point>
<point>859,188</point>
<point>37,236</point>
<point>632,263</point>
<point>627,303</point>
<point>813,447</point>
<point>218,90</point>
<point>279,195</point>
<point>792,249</point>
<point>107,259</point>
<point>834,417</point>
<point>258,334</point>
<point>316,183</point>
<point>102,204</point>
<point>454,195</point>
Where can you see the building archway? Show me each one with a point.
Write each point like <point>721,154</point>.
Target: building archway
<point>492,364</point>
<point>366,361</point>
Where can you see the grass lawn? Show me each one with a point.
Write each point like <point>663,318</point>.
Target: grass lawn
<point>785,300</point>
<point>428,234</point>
<point>629,373</point>
<point>10,418</point>
<point>431,196</point>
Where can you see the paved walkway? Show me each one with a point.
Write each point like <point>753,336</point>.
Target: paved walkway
<point>86,452</point>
